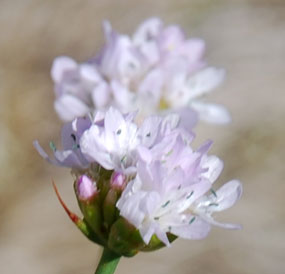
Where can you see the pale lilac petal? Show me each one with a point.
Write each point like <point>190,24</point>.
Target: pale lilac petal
<point>107,29</point>
<point>203,149</point>
<point>69,137</point>
<point>145,40</point>
<point>205,81</point>
<point>124,99</point>
<point>71,158</point>
<point>188,118</point>
<point>43,153</point>
<point>129,209</point>
<point>101,95</point>
<point>79,125</point>
<point>90,73</point>
<point>151,87</point>
<point>194,50</point>
<point>67,158</point>
<point>150,202</point>
<point>146,231</point>
<point>211,221</point>
<point>214,166</point>
<point>91,145</point>
<point>148,30</point>
<point>149,130</point>
<point>130,116</point>
<point>169,122</point>
<point>69,107</point>
<point>99,117</point>
<point>171,38</point>
<point>144,154</point>
<point>114,120</point>
<point>212,113</point>
<point>161,235</point>
<point>193,193</point>
<point>227,195</point>
<point>151,228</point>
<point>196,229</point>
<point>60,66</point>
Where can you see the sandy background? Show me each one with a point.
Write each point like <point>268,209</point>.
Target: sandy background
<point>245,37</point>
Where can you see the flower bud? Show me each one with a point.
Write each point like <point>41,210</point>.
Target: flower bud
<point>86,188</point>
<point>89,203</point>
<point>118,181</point>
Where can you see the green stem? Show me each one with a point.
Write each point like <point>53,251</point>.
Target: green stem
<point>108,262</point>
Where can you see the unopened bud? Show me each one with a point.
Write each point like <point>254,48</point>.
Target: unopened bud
<point>86,188</point>
<point>118,180</point>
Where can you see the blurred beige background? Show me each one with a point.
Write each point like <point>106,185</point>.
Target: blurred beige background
<point>245,37</point>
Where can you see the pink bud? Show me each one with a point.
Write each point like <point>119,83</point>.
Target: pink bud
<point>118,180</point>
<point>86,188</point>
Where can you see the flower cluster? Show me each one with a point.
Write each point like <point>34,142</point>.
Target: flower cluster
<point>141,186</point>
<point>156,69</point>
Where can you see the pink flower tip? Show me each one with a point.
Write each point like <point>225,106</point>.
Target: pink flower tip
<point>86,188</point>
<point>118,180</point>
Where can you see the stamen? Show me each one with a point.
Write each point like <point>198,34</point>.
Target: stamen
<point>76,146</point>
<point>214,192</point>
<point>73,137</point>
<point>166,204</point>
<point>123,159</point>
<point>148,135</point>
<point>156,218</point>
<point>189,196</point>
<point>119,132</point>
<point>169,153</point>
<point>192,220</point>
<point>52,146</point>
<point>213,204</point>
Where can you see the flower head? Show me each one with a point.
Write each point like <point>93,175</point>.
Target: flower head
<point>168,194</point>
<point>157,69</point>
<point>141,186</point>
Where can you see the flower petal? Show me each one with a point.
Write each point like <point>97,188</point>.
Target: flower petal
<point>147,30</point>
<point>227,195</point>
<point>205,81</point>
<point>60,65</point>
<point>212,113</point>
<point>196,229</point>
<point>101,95</point>
<point>214,166</point>
<point>69,107</point>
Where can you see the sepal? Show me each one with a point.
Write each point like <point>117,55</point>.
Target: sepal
<point>82,225</point>
<point>125,239</point>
